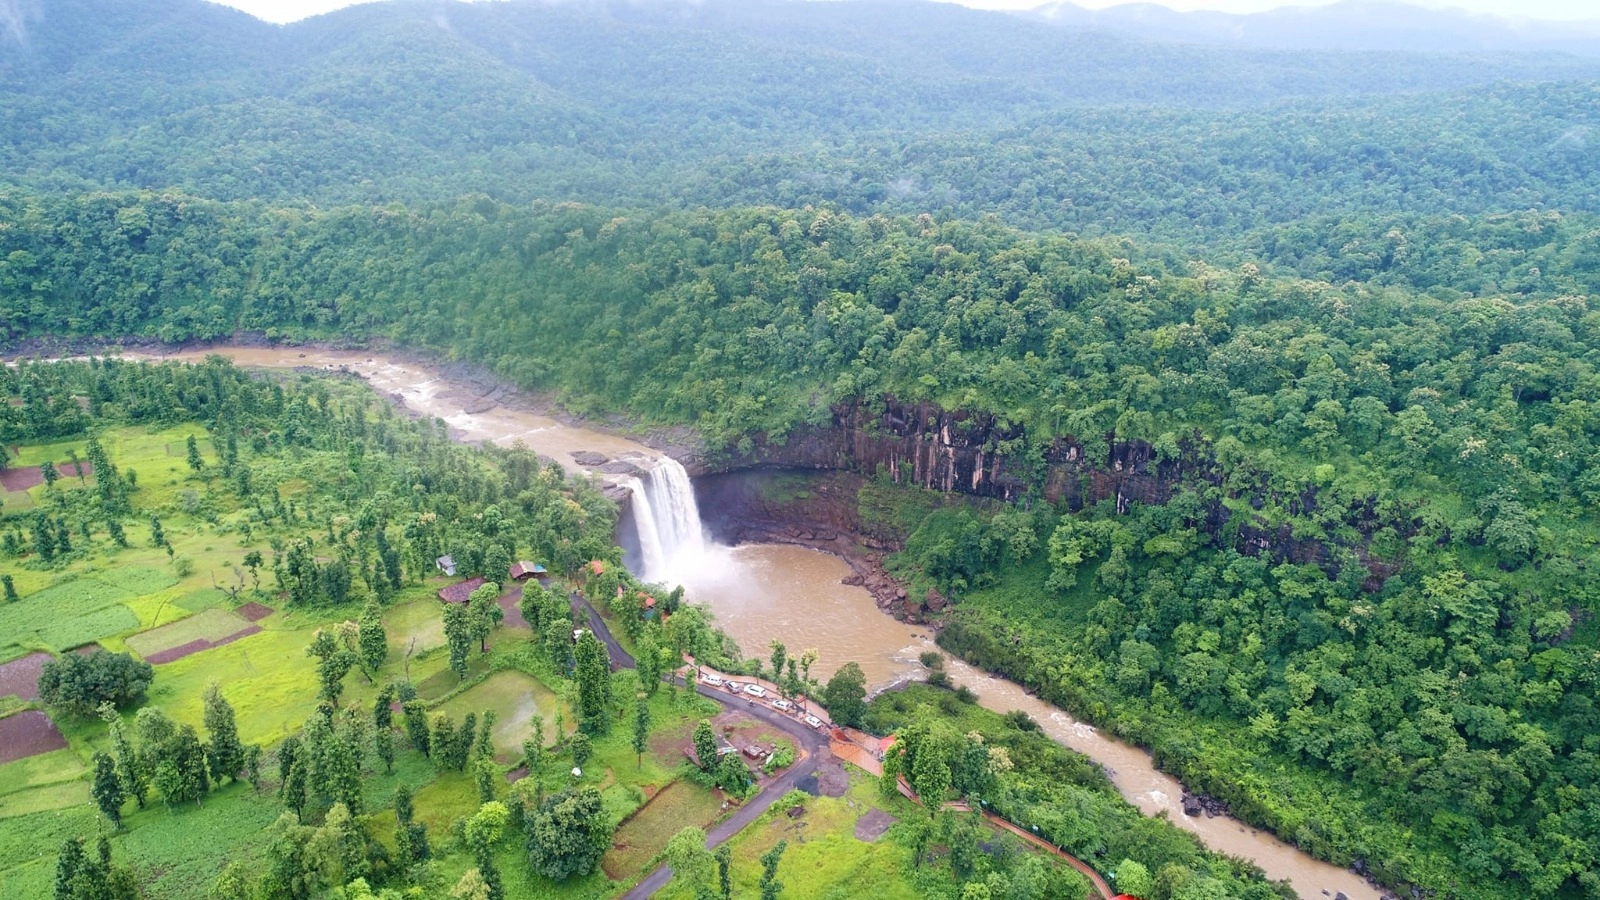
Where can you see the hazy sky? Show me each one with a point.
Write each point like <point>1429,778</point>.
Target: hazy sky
<point>290,10</point>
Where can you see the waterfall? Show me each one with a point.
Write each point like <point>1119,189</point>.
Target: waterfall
<point>667,520</point>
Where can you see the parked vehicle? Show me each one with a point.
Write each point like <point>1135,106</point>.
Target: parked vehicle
<point>813,721</point>
<point>782,704</point>
<point>755,690</point>
<point>713,680</point>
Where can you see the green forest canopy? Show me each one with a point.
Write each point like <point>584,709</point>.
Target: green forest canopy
<point>1362,299</point>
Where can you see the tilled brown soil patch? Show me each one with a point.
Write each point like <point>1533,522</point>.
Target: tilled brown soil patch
<point>195,646</point>
<point>254,612</point>
<point>28,733</point>
<point>20,677</point>
<point>30,477</point>
<point>872,824</point>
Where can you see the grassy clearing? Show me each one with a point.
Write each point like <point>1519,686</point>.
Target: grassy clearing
<point>415,626</point>
<point>202,600</point>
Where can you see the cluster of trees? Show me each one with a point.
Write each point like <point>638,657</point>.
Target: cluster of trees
<point>80,683</point>
<point>170,759</point>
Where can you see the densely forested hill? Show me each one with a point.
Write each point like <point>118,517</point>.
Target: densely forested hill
<point>1418,692</point>
<point>874,106</point>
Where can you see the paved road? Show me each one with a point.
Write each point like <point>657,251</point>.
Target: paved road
<point>811,744</point>
<point>620,658</point>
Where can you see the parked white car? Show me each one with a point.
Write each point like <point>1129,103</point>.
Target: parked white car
<point>782,704</point>
<point>813,721</point>
<point>734,686</point>
<point>713,680</point>
<point>755,690</point>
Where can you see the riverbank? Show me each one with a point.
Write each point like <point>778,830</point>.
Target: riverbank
<point>505,415</point>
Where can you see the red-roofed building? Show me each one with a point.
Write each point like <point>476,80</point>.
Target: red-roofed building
<point>461,591</point>
<point>597,567</point>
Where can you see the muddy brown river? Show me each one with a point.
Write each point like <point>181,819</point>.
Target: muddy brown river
<point>760,592</point>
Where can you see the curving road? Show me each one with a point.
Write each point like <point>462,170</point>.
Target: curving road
<point>812,747</point>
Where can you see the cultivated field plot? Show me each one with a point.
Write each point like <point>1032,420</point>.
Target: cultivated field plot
<point>211,626</point>
<point>67,615</point>
<point>31,477</point>
<point>44,781</point>
<point>679,805</point>
<point>28,733</point>
<point>20,677</point>
<point>515,698</point>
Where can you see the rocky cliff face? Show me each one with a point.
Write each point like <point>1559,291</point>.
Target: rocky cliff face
<point>962,452</point>
<point>957,451</point>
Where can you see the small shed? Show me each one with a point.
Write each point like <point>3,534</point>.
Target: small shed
<point>461,591</point>
<point>524,570</point>
<point>597,567</point>
<point>446,565</point>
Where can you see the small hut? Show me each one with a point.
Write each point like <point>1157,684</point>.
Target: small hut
<point>524,570</point>
<point>446,565</point>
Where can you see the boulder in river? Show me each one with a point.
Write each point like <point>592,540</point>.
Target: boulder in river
<point>589,458</point>
<point>1191,805</point>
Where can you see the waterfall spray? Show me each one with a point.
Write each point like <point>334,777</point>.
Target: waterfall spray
<point>667,519</point>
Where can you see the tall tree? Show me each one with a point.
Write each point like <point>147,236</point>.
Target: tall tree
<point>372,639</point>
<point>724,857</point>
<point>641,729</point>
<point>225,754</point>
<point>647,654</point>
<point>196,463</point>
<point>846,695</point>
<point>594,684</point>
<point>131,771</point>
<point>780,653</point>
<point>705,746</point>
<point>181,774</point>
<point>568,834</point>
<point>107,789</point>
<point>416,721</point>
<point>484,613</point>
<point>383,726</point>
<point>334,661</point>
<point>691,863</point>
<point>69,862</point>
<point>458,633</point>
<point>411,838</point>
<point>482,832</point>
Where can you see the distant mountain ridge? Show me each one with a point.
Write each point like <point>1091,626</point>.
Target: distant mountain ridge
<point>1358,25</point>
<point>874,105</point>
